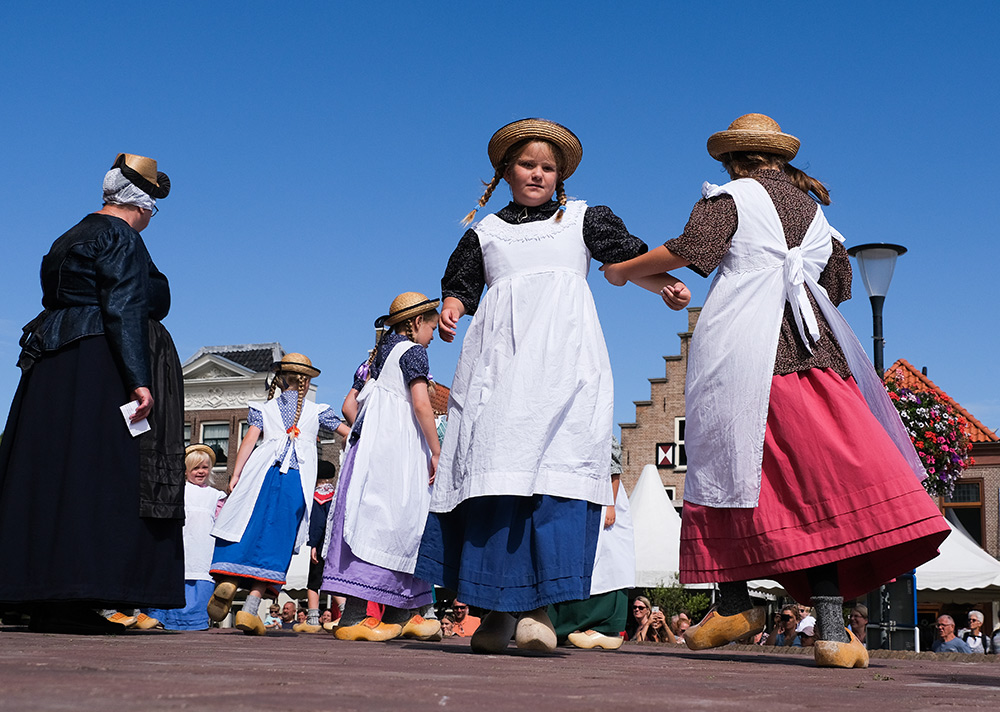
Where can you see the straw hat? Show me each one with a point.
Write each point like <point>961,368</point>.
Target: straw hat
<point>199,447</point>
<point>405,306</point>
<point>541,129</point>
<point>141,171</point>
<point>296,363</point>
<point>753,132</point>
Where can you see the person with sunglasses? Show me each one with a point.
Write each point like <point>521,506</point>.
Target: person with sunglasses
<point>784,634</point>
<point>463,625</point>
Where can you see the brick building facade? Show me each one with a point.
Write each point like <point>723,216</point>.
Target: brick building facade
<point>657,435</point>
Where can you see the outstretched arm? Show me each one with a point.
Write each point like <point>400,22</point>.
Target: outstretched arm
<point>654,262</point>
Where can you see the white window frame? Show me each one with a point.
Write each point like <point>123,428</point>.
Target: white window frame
<point>220,467</point>
<point>679,445</point>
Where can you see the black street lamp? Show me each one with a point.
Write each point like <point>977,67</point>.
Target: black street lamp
<point>876,262</point>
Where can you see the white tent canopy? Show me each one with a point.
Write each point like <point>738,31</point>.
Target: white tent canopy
<point>961,566</point>
<point>657,528</point>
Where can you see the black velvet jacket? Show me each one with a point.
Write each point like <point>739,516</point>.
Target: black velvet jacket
<point>98,278</point>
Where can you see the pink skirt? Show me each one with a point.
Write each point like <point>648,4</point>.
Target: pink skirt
<point>834,489</point>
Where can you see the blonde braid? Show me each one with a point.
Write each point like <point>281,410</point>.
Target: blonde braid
<point>490,187</point>
<point>302,384</point>
<point>274,383</point>
<point>371,356</point>
<point>561,198</point>
<point>408,328</point>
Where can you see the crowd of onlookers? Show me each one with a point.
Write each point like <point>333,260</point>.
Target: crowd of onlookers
<point>793,625</point>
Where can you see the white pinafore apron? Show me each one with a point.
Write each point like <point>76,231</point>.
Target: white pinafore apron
<point>531,403</point>
<point>733,349</point>
<point>614,564</point>
<point>235,514</point>
<point>388,496</point>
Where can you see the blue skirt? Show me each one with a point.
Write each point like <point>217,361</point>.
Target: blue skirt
<point>268,543</point>
<point>194,615</point>
<point>510,553</point>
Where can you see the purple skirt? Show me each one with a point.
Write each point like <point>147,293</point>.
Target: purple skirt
<point>348,575</point>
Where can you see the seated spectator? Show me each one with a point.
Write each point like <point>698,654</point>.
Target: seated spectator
<point>447,626</point>
<point>806,627</point>
<point>288,616</point>
<point>273,619</point>
<point>641,626</point>
<point>658,630</point>
<point>784,634</point>
<point>859,622</point>
<point>464,625</point>
<point>947,641</point>
<point>679,624</point>
<point>301,615</point>
<point>974,637</point>
<point>326,616</point>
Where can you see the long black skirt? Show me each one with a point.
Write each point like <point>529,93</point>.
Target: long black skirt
<point>71,528</point>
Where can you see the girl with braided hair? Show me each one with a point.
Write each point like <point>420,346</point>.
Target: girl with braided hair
<point>798,466</point>
<point>382,501</point>
<point>266,518</point>
<point>525,464</point>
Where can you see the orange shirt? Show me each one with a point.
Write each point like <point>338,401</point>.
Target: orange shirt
<point>466,628</point>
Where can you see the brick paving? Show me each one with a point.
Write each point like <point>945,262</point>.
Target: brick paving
<point>225,670</point>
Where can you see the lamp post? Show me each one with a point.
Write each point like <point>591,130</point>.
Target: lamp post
<point>876,261</point>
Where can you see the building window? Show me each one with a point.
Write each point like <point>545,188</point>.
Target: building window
<point>680,454</point>
<point>671,492</point>
<point>187,434</point>
<point>965,508</point>
<point>216,436</point>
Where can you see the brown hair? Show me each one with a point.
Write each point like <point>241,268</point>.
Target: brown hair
<point>740,164</point>
<point>509,159</point>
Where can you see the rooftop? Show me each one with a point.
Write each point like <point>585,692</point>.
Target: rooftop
<point>256,357</point>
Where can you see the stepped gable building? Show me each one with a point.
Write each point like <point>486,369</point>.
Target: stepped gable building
<point>219,382</point>
<point>976,501</point>
<point>657,435</point>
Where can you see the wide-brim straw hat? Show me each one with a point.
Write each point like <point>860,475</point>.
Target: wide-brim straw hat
<point>296,363</point>
<point>406,306</point>
<point>142,173</point>
<point>202,448</point>
<point>753,133</point>
<point>537,129</point>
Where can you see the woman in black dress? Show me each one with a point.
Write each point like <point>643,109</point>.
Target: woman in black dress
<point>90,516</point>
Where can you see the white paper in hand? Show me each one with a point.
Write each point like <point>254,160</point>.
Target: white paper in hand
<point>138,427</point>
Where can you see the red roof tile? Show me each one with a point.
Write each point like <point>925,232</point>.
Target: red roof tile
<point>439,399</point>
<point>913,379</point>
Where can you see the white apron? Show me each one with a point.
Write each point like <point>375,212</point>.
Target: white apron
<point>200,505</point>
<point>614,565</point>
<point>531,403</point>
<point>235,514</point>
<point>732,354</point>
<point>387,499</point>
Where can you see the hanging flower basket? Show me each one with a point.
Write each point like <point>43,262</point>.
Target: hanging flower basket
<point>939,433</point>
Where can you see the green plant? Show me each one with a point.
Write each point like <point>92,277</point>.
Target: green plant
<point>672,598</point>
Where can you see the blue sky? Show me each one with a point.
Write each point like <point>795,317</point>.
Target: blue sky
<point>322,154</point>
